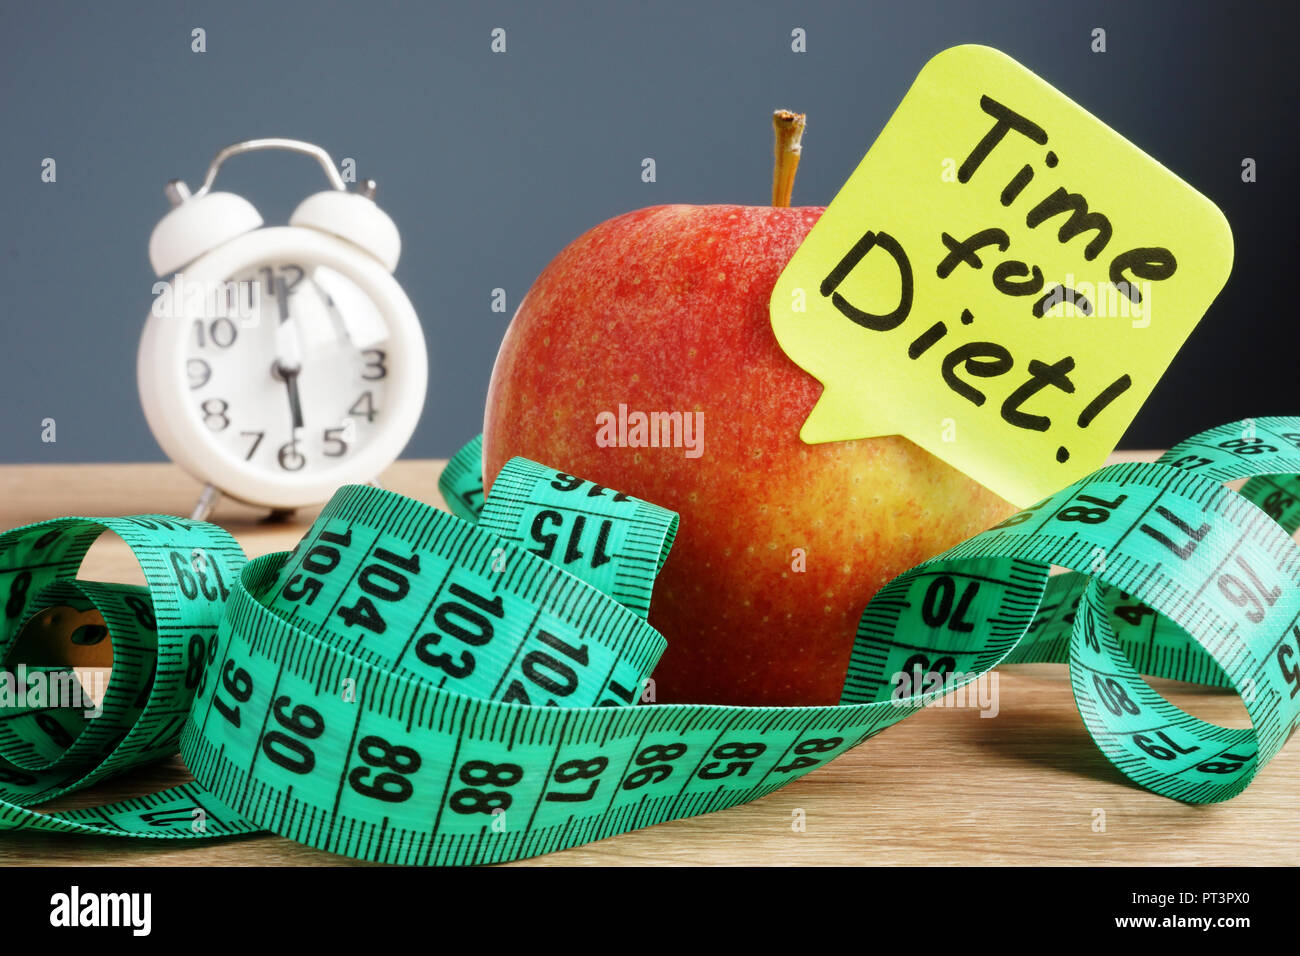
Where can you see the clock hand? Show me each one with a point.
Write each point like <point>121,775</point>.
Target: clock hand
<point>288,363</point>
<point>356,322</point>
<point>290,378</point>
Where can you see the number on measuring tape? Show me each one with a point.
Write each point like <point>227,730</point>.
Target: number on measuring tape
<point>288,744</point>
<point>416,687</point>
<point>385,771</point>
<point>1192,536</point>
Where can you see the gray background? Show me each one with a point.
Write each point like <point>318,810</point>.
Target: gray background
<point>490,163</point>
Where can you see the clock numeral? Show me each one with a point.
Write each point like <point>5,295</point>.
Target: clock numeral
<point>290,458</point>
<point>257,440</point>
<point>199,371</point>
<point>365,405</point>
<point>240,289</point>
<point>336,437</point>
<point>289,284</point>
<point>375,362</point>
<point>214,414</point>
<point>220,332</point>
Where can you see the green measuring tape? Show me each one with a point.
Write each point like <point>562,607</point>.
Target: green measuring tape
<point>418,687</point>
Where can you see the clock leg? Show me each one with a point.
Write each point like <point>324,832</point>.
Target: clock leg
<point>277,515</point>
<point>208,498</point>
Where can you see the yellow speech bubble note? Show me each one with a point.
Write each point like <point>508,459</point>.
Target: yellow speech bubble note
<point>1003,280</point>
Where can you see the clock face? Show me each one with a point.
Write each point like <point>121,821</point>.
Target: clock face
<point>289,373</point>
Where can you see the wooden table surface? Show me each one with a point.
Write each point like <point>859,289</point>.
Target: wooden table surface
<point>946,786</point>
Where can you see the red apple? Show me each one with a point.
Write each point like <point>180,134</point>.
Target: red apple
<point>781,544</point>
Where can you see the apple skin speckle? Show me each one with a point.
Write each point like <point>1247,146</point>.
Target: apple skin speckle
<point>666,309</point>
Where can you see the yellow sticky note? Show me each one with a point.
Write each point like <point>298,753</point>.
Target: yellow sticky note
<point>1003,279</point>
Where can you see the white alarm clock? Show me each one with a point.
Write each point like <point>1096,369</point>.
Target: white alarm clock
<point>279,363</point>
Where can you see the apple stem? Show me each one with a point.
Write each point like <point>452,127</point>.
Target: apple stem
<point>789,144</point>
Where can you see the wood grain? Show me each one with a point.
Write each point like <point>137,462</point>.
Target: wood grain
<point>946,787</point>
